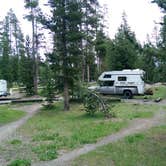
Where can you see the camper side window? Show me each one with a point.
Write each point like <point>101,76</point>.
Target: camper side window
<point>107,76</point>
<point>108,83</point>
<point>122,78</point>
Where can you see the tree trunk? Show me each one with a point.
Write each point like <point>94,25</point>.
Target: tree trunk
<point>100,64</point>
<point>66,96</point>
<point>83,68</point>
<point>65,63</point>
<point>33,54</point>
<point>88,73</point>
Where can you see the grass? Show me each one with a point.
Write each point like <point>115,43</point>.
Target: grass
<point>128,111</point>
<point>51,131</point>
<point>147,148</point>
<point>15,142</point>
<point>7,114</point>
<point>158,92</point>
<point>46,151</point>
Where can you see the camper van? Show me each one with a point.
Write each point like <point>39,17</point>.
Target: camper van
<point>124,82</point>
<point>3,88</point>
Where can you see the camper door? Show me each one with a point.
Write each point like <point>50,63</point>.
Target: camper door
<point>107,87</point>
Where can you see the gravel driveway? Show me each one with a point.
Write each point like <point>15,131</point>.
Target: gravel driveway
<point>7,130</point>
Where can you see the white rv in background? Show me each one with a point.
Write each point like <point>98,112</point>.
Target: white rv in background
<point>124,82</point>
<point>3,88</point>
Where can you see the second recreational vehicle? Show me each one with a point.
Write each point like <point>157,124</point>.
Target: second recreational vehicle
<point>3,88</point>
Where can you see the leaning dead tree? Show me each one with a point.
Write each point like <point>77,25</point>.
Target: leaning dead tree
<point>93,102</point>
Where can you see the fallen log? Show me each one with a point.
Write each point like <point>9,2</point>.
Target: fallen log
<point>28,100</point>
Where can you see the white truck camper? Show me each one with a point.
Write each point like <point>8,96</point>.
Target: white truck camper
<point>3,88</point>
<point>125,82</point>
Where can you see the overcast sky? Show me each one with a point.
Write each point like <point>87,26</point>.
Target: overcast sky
<point>141,15</point>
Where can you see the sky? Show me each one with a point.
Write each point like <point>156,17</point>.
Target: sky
<point>141,15</point>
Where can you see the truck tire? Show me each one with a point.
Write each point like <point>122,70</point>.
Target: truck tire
<point>127,94</point>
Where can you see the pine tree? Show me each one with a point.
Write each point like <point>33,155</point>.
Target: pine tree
<point>149,55</point>
<point>162,44</point>
<point>17,42</point>
<point>101,50</point>
<point>6,51</point>
<point>124,49</point>
<point>25,67</point>
<point>32,6</point>
<point>90,22</point>
<point>65,58</point>
<point>12,47</point>
<point>162,52</point>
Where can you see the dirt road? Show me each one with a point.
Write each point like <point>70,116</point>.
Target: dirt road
<point>7,130</point>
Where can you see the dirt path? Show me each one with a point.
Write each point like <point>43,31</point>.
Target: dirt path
<point>145,101</point>
<point>7,130</point>
<point>135,126</point>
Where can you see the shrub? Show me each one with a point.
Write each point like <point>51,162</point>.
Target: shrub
<point>93,103</point>
<point>16,142</point>
<point>20,162</point>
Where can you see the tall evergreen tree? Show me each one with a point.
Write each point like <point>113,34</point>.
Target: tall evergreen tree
<point>162,44</point>
<point>65,58</point>
<point>16,42</point>
<point>32,6</point>
<point>6,50</point>
<point>25,67</point>
<point>101,50</point>
<point>12,46</point>
<point>148,62</point>
<point>90,23</point>
<point>124,49</point>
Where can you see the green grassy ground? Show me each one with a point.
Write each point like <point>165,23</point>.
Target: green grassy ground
<point>52,130</point>
<point>127,111</point>
<point>7,114</point>
<point>159,92</point>
<point>147,148</point>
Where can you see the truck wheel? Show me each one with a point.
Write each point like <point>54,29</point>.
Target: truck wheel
<point>127,94</point>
